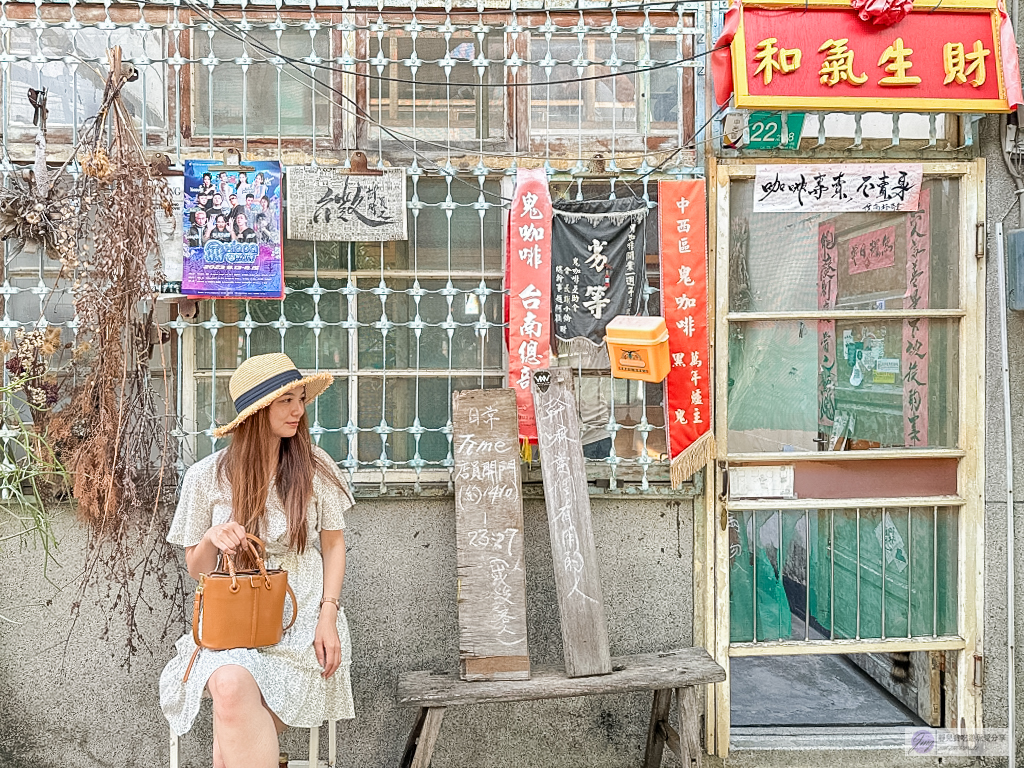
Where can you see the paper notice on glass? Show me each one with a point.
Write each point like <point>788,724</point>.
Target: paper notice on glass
<point>170,233</point>
<point>331,204</point>
<point>845,187</point>
<point>774,482</point>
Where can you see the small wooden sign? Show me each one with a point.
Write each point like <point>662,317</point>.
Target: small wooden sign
<point>489,536</point>
<point>577,581</point>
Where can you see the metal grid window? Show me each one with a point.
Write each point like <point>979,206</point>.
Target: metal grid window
<point>608,100</point>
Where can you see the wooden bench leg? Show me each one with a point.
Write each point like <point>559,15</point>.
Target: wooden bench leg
<point>420,745</point>
<point>690,750</point>
<point>656,731</point>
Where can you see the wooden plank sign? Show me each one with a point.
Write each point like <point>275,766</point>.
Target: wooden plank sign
<point>489,536</point>
<point>577,581</point>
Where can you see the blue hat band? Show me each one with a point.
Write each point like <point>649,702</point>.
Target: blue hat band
<point>265,388</point>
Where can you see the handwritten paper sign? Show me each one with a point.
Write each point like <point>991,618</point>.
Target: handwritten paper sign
<point>489,536</point>
<point>915,330</point>
<point>828,291</point>
<point>330,204</point>
<point>837,188</point>
<point>577,580</point>
<point>874,250</point>
<point>232,231</point>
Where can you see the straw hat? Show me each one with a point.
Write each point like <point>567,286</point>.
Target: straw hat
<point>262,379</point>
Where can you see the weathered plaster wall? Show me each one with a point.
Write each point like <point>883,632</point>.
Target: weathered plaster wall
<point>1000,193</point>
<point>400,598</point>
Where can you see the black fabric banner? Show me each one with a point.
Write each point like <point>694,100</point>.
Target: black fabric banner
<point>597,259</point>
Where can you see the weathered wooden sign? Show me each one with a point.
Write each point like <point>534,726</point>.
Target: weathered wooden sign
<point>489,535</point>
<point>330,204</point>
<point>577,581</point>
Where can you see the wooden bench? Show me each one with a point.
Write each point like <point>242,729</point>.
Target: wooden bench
<point>680,670</point>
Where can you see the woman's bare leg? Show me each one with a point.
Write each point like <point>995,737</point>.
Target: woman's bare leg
<point>244,730</point>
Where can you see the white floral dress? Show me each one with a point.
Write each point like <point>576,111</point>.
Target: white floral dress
<point>288,673</point>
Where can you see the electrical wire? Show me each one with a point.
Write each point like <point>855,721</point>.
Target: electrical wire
<point>226,18</point>
<point>395,135</point>
<point>641,6</point>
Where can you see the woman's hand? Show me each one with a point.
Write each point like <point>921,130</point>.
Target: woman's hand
<point>227,537</point>
<point>326,642</point>
<point>202,558</point>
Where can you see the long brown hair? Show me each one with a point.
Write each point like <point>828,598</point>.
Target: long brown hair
<point>246,465</point>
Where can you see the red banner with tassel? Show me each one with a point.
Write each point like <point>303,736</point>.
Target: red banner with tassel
<point>529,290</point>
<point>682,219</point>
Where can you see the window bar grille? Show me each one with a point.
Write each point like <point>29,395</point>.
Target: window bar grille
<point>935,571</point>
<point>884,515</point>
<point>547,63</point>
<point>910,572</point>
<point>613,66</point>
<point>417,293</point>
<point>832,574</point>
<point>753,548</point>
<point>351,325</point>
<point>316,325</point>
<point>858,132</point>
<point>807,570</point>
<point>581,63</point>
<point>449,293</point>
<point>858,573</point>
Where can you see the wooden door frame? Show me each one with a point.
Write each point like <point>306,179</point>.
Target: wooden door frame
<point>711,545</point>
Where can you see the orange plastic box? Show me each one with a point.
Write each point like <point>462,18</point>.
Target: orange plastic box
<point>638,347</point>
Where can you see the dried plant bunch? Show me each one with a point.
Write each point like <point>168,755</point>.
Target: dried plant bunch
<point>112,433</point>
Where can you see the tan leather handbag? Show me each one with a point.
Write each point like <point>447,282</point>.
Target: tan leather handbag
<point>241,609</point>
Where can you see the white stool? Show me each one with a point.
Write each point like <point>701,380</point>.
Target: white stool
<point>314,749</point>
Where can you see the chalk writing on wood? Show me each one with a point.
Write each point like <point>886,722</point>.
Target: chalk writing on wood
<point>577,581</point>
<point>329,204</point>
<point>489,536</point>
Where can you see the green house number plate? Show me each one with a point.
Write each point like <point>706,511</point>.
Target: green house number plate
<point>766,130</point>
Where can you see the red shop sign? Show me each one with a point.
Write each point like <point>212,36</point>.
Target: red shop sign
<point>944,58</point>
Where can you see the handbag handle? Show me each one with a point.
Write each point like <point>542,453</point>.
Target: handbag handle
<point>249,539</point>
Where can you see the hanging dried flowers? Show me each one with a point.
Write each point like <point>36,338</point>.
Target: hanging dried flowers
<point>112,432</point>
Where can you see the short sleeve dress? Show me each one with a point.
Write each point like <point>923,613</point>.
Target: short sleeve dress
<point>288,673</point>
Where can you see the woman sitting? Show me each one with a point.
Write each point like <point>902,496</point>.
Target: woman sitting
<point>271,482</point>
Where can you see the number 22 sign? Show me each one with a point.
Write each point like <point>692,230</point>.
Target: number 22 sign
<point>765,129</point>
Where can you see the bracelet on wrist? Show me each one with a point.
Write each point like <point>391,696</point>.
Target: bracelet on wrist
<point>333,600</point>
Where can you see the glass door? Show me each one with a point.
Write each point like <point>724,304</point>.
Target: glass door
<point>849,403</point>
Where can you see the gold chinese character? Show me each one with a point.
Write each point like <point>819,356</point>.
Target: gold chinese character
<point>897,60</point>
<point>838,64</point>
<point>959,64</point>
<point>788,59</point>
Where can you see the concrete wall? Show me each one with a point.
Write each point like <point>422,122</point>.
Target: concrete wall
<point>1000,193</point>
<point>400,599</point>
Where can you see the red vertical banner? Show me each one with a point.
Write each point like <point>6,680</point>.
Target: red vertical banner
<point>915,330</point>
<point>682,219</point>
<point>529,290</point>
